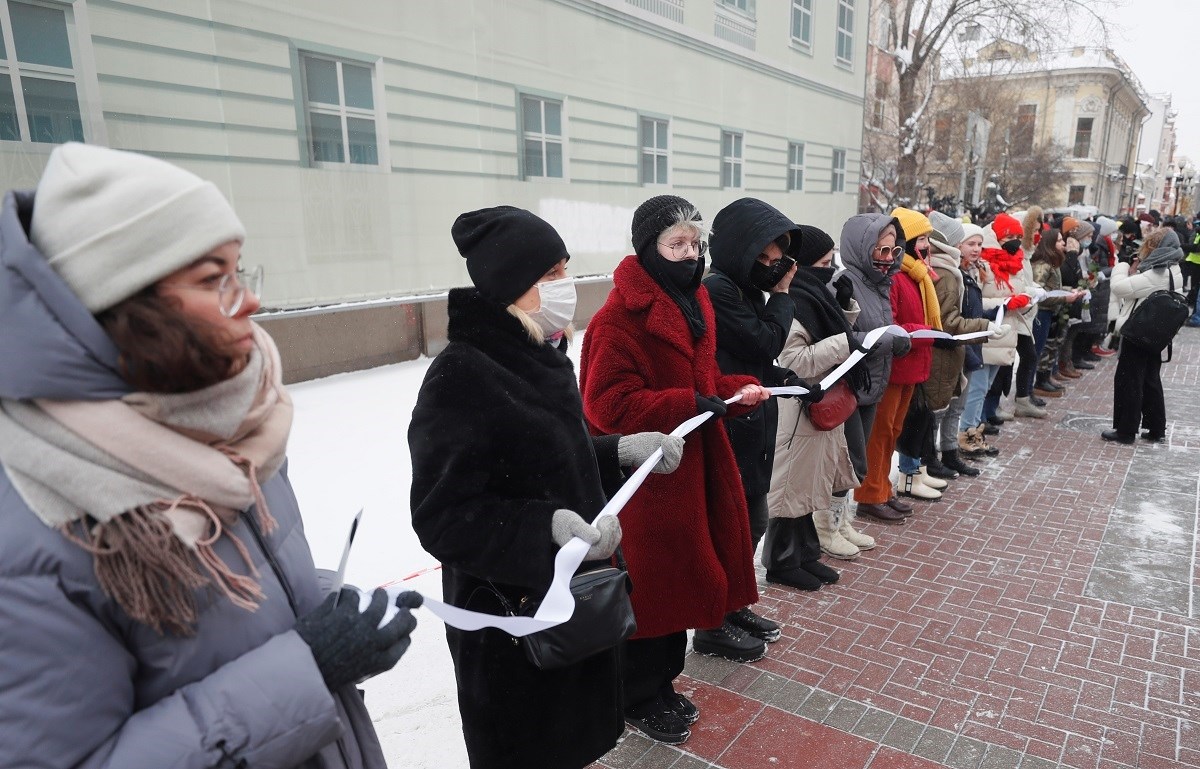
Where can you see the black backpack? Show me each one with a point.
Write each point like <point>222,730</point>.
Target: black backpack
<point>1156,319</point>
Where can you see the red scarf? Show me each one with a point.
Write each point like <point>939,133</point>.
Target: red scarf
<point>1003,264</point>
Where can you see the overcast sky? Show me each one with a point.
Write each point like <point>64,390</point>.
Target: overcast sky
<point>1160,41</point>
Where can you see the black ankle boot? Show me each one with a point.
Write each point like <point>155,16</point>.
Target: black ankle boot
<point>938,469</point>
<point>951,460</point>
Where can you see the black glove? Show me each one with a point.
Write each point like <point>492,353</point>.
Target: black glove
<point>710,403</point>
<point>814,394</point>
<point>844,291</point>
<point>945,344</point>
<point>349,646</point>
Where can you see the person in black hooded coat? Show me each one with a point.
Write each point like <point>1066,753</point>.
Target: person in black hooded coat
<point>753,248</point>
<point>504,472</point>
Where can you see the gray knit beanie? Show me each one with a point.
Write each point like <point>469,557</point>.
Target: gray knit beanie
<point>112,223</point>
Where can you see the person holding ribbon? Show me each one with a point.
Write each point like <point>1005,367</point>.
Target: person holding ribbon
<point>1006,261</point>
<point>812,469</point>
<point>504,474</point>
<point>649,363</point>
<point>158,600</point>
<point>872,245</point>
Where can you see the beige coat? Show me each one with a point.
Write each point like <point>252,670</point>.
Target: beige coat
<point>809,463</point>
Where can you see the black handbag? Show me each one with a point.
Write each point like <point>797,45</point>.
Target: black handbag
<point>603,618</point>
<point>1156,319</point>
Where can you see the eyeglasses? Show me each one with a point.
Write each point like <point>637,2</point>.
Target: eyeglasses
<point>680,250</point>
<point>231,289</point>
<point>895,251</point>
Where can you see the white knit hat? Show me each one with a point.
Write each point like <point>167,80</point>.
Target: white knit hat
<point>971,230</point>
<point>111,223</point>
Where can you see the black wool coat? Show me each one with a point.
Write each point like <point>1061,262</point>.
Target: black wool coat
<point>751,330</point>
<point>498,444</point>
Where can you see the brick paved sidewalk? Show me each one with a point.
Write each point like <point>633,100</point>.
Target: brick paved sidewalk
<point>1043,614</point>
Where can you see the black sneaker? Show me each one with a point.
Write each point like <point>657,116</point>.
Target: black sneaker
<point>660,722</point>
<point>820,571</point>
<point>760,627</point>
<point>682,706</point>
<point>990,429</point>
<point>731,642</point>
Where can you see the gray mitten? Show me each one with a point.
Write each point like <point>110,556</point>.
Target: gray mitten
<point>634,450</point>
<point>900,346</point>
<point>603,537</point>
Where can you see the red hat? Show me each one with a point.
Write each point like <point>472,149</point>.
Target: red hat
<point>1006,227</point>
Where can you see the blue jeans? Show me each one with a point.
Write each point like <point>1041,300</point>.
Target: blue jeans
<point>977,387</point>
<point>909,465</point>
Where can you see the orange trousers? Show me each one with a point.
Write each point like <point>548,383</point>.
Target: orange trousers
<point>876,488</point>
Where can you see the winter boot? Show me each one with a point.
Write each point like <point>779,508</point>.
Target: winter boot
<point>844,518</point>
<point>967,446</point>
<point>950,459</point>
<point>935,468</point>
<point>931,481</point>
<point>756,625</point>
<point>731,642</point>
<point>1044,386</point>
<point>1026,409</point>
<point>911,486</point>
<point>1005,410</point>
<point>832,542</point>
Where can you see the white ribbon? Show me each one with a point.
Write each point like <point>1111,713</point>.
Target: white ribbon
<point>558,604</point>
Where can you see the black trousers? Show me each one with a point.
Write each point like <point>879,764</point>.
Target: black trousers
<point>1138,392</point>
<point>1191,275</point>
<point>791,543</point>
<point>650,665</point>
<point>757,504</point>
<point>1026,365</point>
<point>858,431</point>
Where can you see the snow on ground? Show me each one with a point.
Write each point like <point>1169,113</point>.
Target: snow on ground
<point>349,449</point>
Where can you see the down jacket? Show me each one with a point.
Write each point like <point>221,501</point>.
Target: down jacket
<point>809,463</point>
<point>1003,350</point>
<point>81,683</point>
<point>872,291</point>
<point>1128,289</point>
<point>498,444</point>
<point>686,534</point>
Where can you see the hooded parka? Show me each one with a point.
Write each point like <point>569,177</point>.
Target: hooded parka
<point>81,683</point>
<point>498,444</point>
<point>686,535</point>
<point>872,291</point>
<point>1002,351</point>
<point>946,371</point>
<point>751,330</point>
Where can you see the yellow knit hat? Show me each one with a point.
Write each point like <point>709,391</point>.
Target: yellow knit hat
<point>914,223</point>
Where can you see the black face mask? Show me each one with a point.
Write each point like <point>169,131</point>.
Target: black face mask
<point>764,277</point>
<point>680,274</point>
<point>823,274</point>
<point>1011,247</point>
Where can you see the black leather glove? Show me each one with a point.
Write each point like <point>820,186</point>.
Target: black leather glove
<point>844,291</point>
<point>349,646</point>
<point>945,344</point>
<point>814,394</point>
<point>712,404</point>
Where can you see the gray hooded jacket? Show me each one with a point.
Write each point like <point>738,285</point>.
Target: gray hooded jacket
<point>83,685</point>
<point>873,290</point>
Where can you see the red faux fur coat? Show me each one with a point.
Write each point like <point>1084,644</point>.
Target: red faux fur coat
<point>686,534</point>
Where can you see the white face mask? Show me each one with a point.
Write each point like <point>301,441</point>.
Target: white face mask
<point>558,305</point>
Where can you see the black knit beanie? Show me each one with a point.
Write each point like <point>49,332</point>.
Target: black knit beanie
<point>654,216</point>
<point>507,250</point>
<point>814,243</point>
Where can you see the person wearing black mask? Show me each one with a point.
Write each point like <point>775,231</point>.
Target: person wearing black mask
<point>649,359</point>
<point>753,253</point>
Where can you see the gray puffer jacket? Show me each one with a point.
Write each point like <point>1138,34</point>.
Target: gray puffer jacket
<point>873,290</point>
<point>82,684</point>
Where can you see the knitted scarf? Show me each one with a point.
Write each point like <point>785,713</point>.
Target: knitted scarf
<point>1004,265</point>
<point>816,310</point>
<point>921,275</point>
<point>149,483</point>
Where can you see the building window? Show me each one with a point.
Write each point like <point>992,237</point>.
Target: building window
<point>1076,194</point>
<point>802,20</point>
<point>745,6</point>
<point>1022,143</point>
<point>943,127</point>
<point>837,180</point>
<point>1083,138</point>
<point>39,100</point>
<point>795,178</point>
<point>845,32</point>
<point>879,108</point>
<point>541,137</point>
<point>339,105</point>
<point>653,138</point>
<point>731,160</point>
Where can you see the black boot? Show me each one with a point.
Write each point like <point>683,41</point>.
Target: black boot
<point>938,469</point>
<point>950,459</point>
<point>821,572</point>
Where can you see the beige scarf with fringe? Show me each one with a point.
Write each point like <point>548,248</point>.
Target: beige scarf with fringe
<point>149,483</point>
